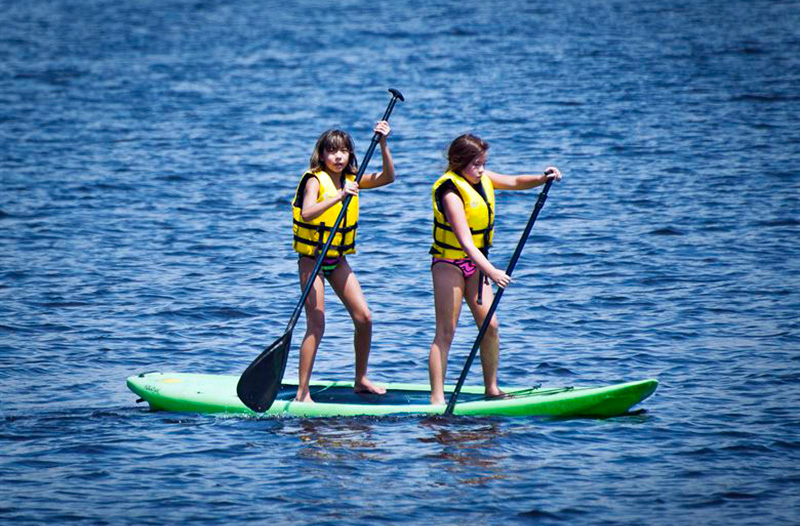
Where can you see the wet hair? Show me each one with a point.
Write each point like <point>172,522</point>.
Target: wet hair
<point>333,140</point>
<point>463,150</point>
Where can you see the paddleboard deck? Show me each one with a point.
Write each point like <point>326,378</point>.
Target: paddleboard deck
<point>206,393</point>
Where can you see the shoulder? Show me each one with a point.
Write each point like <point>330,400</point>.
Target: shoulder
<point>309,182</point>
<point>446,180</point>
<point>443,186</point>
<point>447,192</point>
<point>448,186</point>
<point>321,178</point>
<point>309,177</point>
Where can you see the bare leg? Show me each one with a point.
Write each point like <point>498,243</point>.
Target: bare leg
<point>448,292</point>
<point>346,286</point>
<point>315,328</point>
<point>490,345</point>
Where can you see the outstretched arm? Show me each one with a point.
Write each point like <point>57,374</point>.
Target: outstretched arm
<point>386,175</point>
<point>523,182</point>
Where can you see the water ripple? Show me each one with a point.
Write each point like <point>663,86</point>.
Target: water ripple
<point>149,160</point>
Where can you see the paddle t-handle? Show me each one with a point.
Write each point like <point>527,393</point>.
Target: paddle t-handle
<point>451,404</point>
<point>260,382</point>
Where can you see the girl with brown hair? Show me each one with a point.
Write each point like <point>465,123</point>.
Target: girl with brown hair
<point>463,229</point>
<point>317,203</point>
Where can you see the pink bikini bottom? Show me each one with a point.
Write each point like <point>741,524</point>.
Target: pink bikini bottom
<point>466,265</point>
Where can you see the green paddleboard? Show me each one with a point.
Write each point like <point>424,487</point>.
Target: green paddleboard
<point>206,393</point>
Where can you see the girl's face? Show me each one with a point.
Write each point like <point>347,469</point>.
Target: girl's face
<point>336,160</point>
<point>474,170</point>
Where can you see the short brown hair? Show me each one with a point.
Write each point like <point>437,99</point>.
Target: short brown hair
<point>463,150</point>
<point>333,140</point>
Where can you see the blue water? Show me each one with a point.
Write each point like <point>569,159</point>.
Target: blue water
<point>148,156</point>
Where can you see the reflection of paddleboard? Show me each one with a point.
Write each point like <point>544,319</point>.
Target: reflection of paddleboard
<point>206,393</point>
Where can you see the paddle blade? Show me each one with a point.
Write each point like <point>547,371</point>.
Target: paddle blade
<point>259,384</point>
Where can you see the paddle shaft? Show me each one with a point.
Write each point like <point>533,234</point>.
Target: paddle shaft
<point>485,325</point>
<point>307,289</point>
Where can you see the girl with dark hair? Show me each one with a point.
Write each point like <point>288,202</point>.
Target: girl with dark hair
<point>463,228</point>
<point>317,203</point>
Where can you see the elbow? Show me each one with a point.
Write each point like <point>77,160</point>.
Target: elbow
<point>468,246</point>
<point>385,177</point>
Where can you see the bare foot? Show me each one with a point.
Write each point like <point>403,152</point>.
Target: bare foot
<point>436,400</point>
<point>365,386</point>
<point>494,393</point>
<point>303,396</point>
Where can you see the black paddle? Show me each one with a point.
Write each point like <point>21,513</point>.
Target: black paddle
<point>259,384</point>
<point>451,404</point>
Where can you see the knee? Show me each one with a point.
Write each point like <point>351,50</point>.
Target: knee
<point>363,320</point>
<point>445,335</point>
<point>316,325</point>
<point>493,330</point>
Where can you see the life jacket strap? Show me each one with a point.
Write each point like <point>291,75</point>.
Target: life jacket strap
<point>445,245</point>
<point>484,231</point>
<point>322,228</point>
<point>340,248</point>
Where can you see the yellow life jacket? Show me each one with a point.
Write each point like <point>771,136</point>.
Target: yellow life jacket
<point>311,236</point>
<point>479,210</point>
